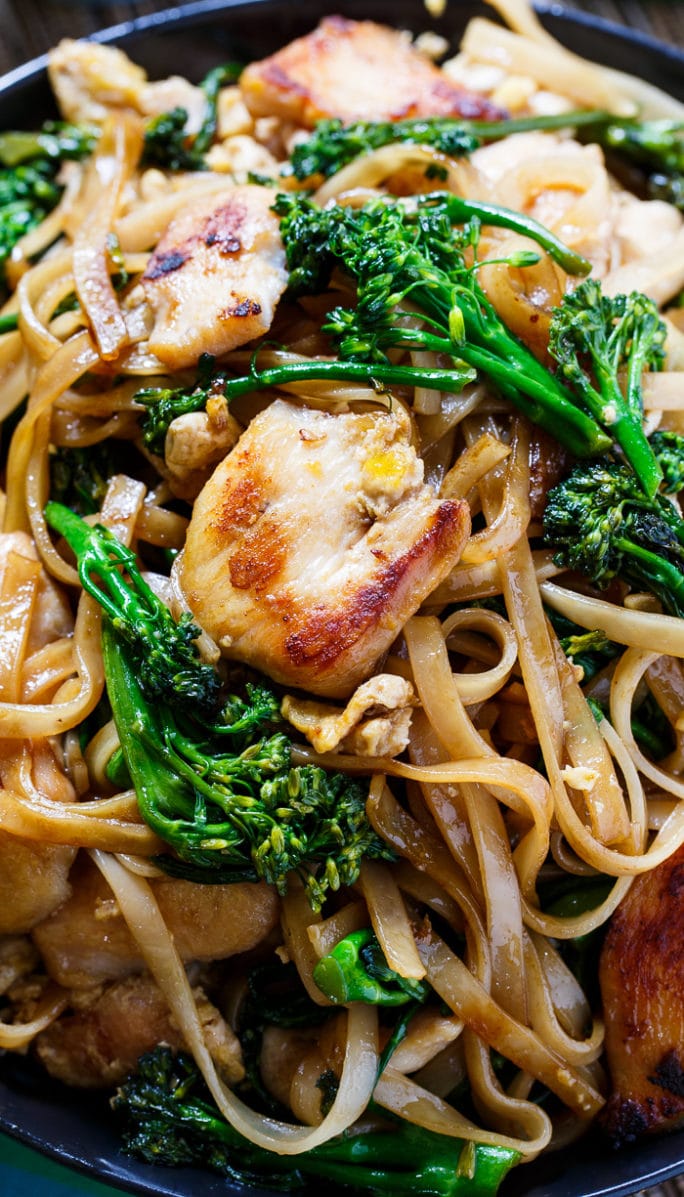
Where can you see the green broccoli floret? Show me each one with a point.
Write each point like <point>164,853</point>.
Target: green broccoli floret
<point>163,652</point>
<point>170,1119</point>
<point>164,404</point>
<point>242,812</point>
<point>395,251</point>
<point>333,144</point>
<point>30,163</point>
<point>356,971</point>
<point>169,146</point>
<point>213,779</point>
<point>594,338</point>
<point>601,523</point>
<point>656,146</point>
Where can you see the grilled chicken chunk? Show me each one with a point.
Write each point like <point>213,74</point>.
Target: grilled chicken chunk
<point>642,983</point>
<point>314,541</point>
<point>99,1044</point>
<point>87,941</point>
<point>216,275</point>
<point>91,81</point>
<point>354,70</point>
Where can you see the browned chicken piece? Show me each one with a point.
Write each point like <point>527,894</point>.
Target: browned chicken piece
<point>87,941</point>
<point>355,70</point>
<point>314,541</point>
<point>216,275</point>
<point>100,1043</point>
<point>642,984</point>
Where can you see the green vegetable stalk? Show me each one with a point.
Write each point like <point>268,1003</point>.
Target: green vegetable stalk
<point>167,1122</point>
<point>356,971</point>
<point>213,777</point>
<point>655,146</point>
<point>596,337</point>
<point>600,522</point>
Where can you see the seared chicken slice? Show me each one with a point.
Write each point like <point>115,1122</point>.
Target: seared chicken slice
<point>642,984</point>
<point>99,1044</point>
<point>87,941</point>
<point>314,541</point>
<point>354,70</point>
<point>216,275</point>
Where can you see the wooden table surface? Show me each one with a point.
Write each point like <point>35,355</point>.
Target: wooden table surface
<point>29,27</point>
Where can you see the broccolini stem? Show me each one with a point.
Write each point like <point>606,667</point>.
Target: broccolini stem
<point>453,379</point>
<point>94,561</point>
<point>654,572</point>
<point>545,122</point>
<point>461,210</point>
<point>165,649</point>
<point>9,322</point>
<point>357,971</point>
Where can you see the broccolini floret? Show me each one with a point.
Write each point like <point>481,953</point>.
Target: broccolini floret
<point>164,404</point>
<point>168,145</point>
<point>595,338</point>
<point>170,1119</point>
<point>213,777</point>
<point>656,146</point>
<point>333,144</point>
<point>421,253</point>
<point>601,523</point>
<point>29,165</point>
<point>163,651</point>
<point>242,811</point>
<point>669,451</point>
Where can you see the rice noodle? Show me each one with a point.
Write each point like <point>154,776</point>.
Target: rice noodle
<point>141,912</point>
<point>477,825</point>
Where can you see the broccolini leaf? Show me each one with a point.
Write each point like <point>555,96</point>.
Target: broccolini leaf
<point>594,338</point>
<point>356,971</point>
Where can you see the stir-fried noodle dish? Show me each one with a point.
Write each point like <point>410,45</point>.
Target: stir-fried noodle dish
<point>342,604</point>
